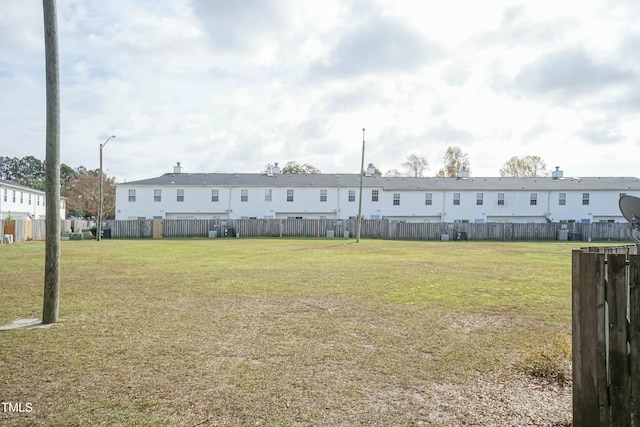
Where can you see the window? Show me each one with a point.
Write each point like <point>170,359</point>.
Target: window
<point>562,199</point>
<point>456,198</point>
<point>500,199</point>
<point>29,199</point>
<point>132,195</point>
<point>352,195</point>
<point>374,195</point>
<point>289,195</point>
<point>215,195</point>
<point>428,199</point>
<point>244,195</point>
<point>14,196</point>
<point>180,195</point>
<point>157,195</point>
<point>5,194</point>
<point>396,199</point>
<point>533,199</point>
<point>479,199</point>
<point>585,198</point>
<point>323,195</point>
<point>21,197</point>
<point>37,200</point>
<point>268,195</point>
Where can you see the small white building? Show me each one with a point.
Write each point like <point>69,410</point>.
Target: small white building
<point>180,195</point>
<point>20,202</point>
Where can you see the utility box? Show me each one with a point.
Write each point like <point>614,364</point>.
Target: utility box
<point>460,235</point>
<point>213,234</point>
<point>562,235</point>
<point>331,234</point>
<point>444,237</point>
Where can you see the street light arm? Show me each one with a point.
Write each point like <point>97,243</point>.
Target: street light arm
<point>105,143</point>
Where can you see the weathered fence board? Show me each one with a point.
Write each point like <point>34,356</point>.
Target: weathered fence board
<point>634,335</point>
<point>616,291</point>
<point>584,341</point>
<point>605,329</point>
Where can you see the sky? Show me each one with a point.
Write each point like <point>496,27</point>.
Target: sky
<point>231,86</point>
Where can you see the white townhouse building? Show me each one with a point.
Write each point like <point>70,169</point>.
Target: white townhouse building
<point>557,198</point>
<point>20,202</point>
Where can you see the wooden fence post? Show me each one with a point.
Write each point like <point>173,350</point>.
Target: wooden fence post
<point>634,334</point>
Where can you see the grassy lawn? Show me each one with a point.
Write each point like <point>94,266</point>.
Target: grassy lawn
<point>273,332</point>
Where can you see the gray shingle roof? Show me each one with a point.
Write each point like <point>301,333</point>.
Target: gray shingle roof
<point>397,184</point>
<point>16,185</point>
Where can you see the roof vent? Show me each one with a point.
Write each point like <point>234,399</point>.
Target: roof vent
<point>371,170</point>
<point>177,168</point>
<point>464,173</point>
<point>556,174</point>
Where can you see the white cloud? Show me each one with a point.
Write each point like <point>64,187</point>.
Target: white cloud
<point>232,86</point>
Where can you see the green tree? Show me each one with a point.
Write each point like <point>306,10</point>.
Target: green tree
<point>527,166</point>
<point>28,171</point>
<point>66,173</point>
<point>454,161</point>
<point>415,165</point>
<point>295,168</point>
<point>8,168</point>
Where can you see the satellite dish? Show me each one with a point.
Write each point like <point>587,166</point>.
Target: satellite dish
<point>630,208</point>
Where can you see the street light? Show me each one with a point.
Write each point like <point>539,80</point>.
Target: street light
<point>99,225</point>
<point>359,223</point>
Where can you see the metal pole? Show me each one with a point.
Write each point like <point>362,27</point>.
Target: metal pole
<point>359,223</point>
<point>100,192</point>
<point>52,172</point>
<point>99,222</point>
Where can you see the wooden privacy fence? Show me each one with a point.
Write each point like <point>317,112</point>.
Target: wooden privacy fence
<point>370,229</point>
<point>606,336</point>
<point>23,230</point>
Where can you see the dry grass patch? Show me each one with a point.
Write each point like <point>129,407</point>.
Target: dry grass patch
<point>282,332</point>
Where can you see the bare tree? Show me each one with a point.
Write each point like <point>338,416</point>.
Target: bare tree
<point>454,161</point>
<point>415,165</point>
<point>394,173</point>
<point>296,168</point>
<point>527,166</point>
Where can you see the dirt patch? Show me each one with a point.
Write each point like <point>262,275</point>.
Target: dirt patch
<point>488,401</point>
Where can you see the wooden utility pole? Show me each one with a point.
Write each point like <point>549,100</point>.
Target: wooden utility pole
<point>52,172</point>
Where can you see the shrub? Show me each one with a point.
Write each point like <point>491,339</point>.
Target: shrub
<point>550,360</point>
